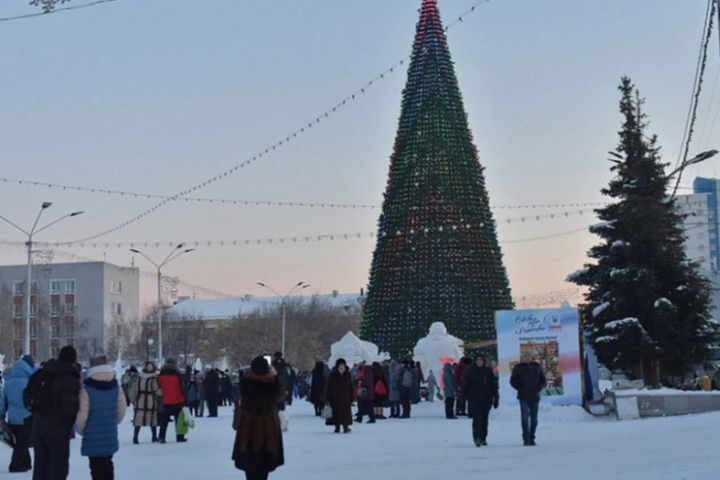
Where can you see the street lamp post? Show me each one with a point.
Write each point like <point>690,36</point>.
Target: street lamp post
<point>171,256</point>
<point>147,349</point>
<point>700,157</point>
<point>295,289</point>
<point>28,277</point>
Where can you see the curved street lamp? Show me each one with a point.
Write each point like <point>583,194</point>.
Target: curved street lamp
<point>171,256</point>
<point>28,277</point>
<point>299,286</point>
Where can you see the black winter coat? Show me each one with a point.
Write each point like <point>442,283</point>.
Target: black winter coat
<point>480,385</point>
<point>317,383</point>
<point>65,404</point>
<point>528,379</point>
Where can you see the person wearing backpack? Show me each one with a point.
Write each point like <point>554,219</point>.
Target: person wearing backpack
<point>102,408</point>
<point>53,422</point>
<point>19,419</point>
<point>449,390</point>
<point>405,387</point>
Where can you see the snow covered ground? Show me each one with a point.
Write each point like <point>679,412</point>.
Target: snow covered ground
<point>571,445</point>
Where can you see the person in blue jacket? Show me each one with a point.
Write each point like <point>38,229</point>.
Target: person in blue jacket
<point>102,408</point>
<point>19,419</point>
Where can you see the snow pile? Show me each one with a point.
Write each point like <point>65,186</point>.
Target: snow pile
<point>354,350</point>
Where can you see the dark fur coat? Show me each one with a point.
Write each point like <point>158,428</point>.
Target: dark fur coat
<point>258,438</point>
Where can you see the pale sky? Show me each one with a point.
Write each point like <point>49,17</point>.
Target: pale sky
<point>156,97</point>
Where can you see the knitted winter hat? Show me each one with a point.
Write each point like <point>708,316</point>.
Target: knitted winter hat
<point>171,361</point>
<point>68,354</point>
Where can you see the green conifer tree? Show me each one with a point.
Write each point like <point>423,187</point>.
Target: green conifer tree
<point>647,309</point>
<point>437,256</point>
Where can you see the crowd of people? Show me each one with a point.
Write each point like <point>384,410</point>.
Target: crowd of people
<point>93,403</point>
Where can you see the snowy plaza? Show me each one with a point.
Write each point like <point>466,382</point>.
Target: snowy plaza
<point>571,445</point>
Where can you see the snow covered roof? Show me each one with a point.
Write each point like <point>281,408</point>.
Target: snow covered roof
<point>226,308</point>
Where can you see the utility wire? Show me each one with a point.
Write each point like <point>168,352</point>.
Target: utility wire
<point>699,74</point>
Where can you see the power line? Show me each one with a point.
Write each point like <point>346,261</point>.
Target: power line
<point>55,10</point>
<point>273,147</point>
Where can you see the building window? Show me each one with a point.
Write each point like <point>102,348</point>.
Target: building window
<point>118,330</point>
<point>18,352</point>
<point>70,330</point>
<point>54,330</point>
<point>18,288</point>
<point>33,331</point>
<point>18,331</point>
<point>116,308</point>
<point>70,308</point>
<point>56,287</point>
<point>17,311</point>
<point>55,352</point>
<point>115,287</point>
<point>34,287</point>
<point>54,309</point>
<point>69,286</point>
<point>33,309</point>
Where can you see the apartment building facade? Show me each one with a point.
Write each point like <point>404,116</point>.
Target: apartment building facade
<point>88,305</point>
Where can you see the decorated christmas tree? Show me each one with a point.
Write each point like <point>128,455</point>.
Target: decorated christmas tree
<point>437,256</point>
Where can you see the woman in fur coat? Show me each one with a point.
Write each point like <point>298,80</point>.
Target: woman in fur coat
<point>340,396</point>
<point>258,447</point>
<point>145,395</point>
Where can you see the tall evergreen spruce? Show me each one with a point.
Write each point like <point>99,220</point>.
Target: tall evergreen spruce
<point>437,256</point>
<point>647,309</point>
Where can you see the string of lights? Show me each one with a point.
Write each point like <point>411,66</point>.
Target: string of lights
<point>56,10</point>
<point>129,194</point>
<point>284,141</point>
<point>333,236</point>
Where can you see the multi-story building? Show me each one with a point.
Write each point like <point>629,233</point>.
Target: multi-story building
<point>701,229</point>
<point>88,305</point>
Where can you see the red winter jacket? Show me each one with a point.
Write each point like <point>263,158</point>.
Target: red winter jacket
<point>171,384</point>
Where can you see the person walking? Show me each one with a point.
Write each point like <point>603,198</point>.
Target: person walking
<point>173,397</point>
<point>393,376</point>
<point>431,385</point>
<point>202,397</point>
<point>52,430</point>
<point>481,390</point>
<point>405,388</point>
<point>449,390</point>
<point>212,391</point>
<point>102,408</point>
<point>145,396</point>
<point>317,387</point>
<point>366,395</point>
<point>258,447</point>
<point>339,395</point>
<point>460,398</point>
<point>193,395</point>
<point>528,379</point>
<point>19,419</point>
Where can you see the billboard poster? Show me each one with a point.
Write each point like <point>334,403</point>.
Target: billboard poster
<point>552,336</point>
